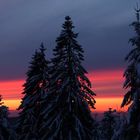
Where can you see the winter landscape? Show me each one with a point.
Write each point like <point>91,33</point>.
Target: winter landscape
<point>70,70</point>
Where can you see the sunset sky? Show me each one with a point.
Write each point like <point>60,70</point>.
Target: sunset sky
<point>107,84</point>
<point>104,31</point>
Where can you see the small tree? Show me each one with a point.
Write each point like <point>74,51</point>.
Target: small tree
<point>107,125</point>
<point>67,114</point>
<point>35,89</point>
<point>6,133</point>
<point>120,127</point>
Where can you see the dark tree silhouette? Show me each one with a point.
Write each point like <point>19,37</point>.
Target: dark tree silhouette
<point>35,89</point>
<point>67,114</point>
<point>6,133</point>
<point>132,83</point>
<point>107,124</point>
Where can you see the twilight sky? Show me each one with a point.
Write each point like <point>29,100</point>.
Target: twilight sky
<point>103,27</point>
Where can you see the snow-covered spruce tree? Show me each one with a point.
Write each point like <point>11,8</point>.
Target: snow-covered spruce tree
<point>132,83</point>
<point>35,89</point>
<point>107,125</point>
<point>67,115</point>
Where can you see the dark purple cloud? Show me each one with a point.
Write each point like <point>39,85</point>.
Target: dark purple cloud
<point>103,28</point>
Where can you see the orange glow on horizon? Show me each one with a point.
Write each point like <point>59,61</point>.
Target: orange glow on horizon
<point>106,84</point>
<point>101,105</point>
<point>13,104</point>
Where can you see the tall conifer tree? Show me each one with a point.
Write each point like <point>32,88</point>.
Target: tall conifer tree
<point>132,83</point>
<point>67,115</point>
<point>35,89</point>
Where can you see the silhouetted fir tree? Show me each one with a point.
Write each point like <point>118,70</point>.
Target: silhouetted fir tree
<point>132,83</point>
<point>3,121</point>
<point>4,124</point>
<point>67,115</point>
<point>35,89</point>
<point>6,133</point>
<point>107,125</point>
